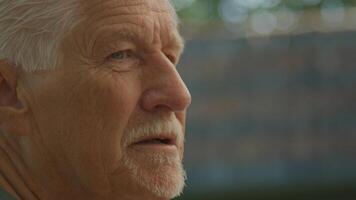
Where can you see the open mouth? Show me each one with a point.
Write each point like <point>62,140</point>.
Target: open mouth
<point>158,144</point>
<point>158,140</point>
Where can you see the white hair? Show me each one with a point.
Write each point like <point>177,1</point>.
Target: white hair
<point>31,31</point>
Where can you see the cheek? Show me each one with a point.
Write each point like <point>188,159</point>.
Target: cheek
<point>83,121</point>
<point>110,102</point>
<point>118,105</point>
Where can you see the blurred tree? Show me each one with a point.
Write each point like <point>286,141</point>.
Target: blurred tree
<point>206,10</point>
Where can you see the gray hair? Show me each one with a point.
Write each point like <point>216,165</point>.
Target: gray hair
<point>31,31</point>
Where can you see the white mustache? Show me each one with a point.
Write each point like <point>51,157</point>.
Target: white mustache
<point>170,127</point>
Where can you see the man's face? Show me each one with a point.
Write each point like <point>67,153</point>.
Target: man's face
<point>111,118</point>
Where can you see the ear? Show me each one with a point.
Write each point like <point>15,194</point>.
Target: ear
<point>12,113</point>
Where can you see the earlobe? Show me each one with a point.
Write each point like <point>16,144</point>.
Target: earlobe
<point>12,113</point>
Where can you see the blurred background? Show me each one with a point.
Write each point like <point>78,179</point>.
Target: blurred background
<point>274,98</point>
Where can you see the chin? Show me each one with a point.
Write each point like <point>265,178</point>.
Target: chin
<point>162,175</point>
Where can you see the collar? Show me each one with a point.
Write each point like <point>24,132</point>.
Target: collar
<point>5,196</point>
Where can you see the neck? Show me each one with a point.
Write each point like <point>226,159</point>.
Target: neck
<point>22,180</point>
<point>5,185</point>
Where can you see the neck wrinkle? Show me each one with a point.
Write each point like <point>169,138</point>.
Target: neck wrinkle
<point>5,185</point>
<point>14,176</point>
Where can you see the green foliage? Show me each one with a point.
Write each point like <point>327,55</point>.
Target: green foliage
<point>206,10</point>
<point>201,10</point>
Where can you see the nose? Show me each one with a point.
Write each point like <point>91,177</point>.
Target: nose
<point>164,88</point>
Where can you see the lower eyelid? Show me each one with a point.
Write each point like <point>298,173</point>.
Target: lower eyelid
<point>124,63</point>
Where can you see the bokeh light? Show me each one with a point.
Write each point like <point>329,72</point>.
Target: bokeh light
<point>287,19</point>
<point>263,22</point>
<point>332,13</point>
<point>311,2</point>
<point>270,3</point>
<point>231,11</point>
<point>181,4</point>
<point>200,11</point>
<point>273,87</point>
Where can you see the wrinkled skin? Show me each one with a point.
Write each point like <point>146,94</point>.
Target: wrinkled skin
<point>63,130</point>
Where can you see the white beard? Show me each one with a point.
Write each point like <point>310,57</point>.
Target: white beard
<point>162,175</point>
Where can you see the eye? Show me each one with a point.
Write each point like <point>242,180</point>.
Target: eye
<point>122,60</point>
<point>120,55</point>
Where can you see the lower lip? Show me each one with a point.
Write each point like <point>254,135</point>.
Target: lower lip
<point>155,148</point>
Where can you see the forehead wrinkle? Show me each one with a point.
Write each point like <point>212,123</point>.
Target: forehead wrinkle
<point>165,32</point>
<point>153,16</point>
<point>125,31</point>
<point>95,9</point>
<point>163,7</point>
<point>116,19</point>
<point>89,5</point>
<point>116,11</point>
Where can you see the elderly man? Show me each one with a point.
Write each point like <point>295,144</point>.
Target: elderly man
<point>91,104</point>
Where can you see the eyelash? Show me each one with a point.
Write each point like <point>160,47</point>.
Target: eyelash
<point>128,54</point>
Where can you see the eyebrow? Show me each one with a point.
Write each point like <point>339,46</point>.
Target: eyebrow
<point>175,40</point>
<point>108,35</point>
<point>180,41</point>
<point>125,35</point>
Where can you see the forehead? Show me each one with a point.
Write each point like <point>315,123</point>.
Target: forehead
<point>152,21</point>
<point>143,7</point>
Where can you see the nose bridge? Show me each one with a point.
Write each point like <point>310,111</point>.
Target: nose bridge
<point>164,86</point>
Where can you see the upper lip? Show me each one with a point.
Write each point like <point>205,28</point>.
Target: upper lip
<point>168,139</point>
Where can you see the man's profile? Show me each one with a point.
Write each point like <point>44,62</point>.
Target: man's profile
<point>91,104</point>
